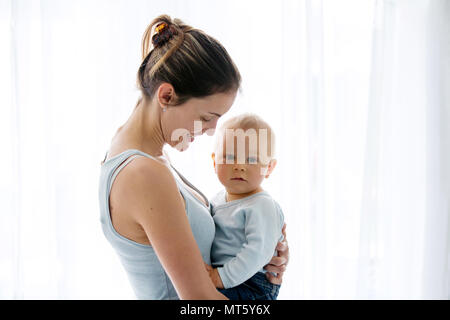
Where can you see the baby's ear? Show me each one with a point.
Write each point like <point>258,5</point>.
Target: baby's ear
<point>271,166</point>
<point>213,156</point>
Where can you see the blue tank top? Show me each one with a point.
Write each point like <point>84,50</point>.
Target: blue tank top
<point>145,273</point>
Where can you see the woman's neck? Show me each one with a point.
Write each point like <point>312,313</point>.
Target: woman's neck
<point>143,130</point>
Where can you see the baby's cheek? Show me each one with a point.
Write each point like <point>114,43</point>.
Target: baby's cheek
<point>222,174</point>
<point>258,175</point>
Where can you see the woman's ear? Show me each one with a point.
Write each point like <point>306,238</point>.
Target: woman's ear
<point>271,167</point>
<point>165,95</point>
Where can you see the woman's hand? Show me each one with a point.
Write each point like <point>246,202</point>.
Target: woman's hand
<point>214,275</point>
<point>278,263</point>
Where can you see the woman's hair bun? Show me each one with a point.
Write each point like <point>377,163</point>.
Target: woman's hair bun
<point>163,33</point>
<point>194,63</point>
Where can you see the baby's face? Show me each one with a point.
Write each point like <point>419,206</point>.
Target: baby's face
<point>241,169</point>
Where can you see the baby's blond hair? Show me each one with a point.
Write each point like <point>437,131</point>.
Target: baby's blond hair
<point>245,122</point>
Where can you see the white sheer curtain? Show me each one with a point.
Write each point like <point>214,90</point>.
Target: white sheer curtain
<point>357,92</point>
<point>404,236</point>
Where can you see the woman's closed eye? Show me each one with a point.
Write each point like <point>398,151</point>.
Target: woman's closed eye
<point>205,119</point>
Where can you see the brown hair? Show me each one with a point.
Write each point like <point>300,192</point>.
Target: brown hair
<point>195,64</point>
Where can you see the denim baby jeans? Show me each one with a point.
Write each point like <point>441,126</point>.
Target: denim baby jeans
<point>255,288</point>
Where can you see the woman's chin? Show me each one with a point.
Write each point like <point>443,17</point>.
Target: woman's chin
<point>182,146</point>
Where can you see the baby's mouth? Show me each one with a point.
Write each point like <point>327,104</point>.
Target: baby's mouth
<point>238,179</point>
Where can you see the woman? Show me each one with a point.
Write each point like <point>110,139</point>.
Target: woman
<point>158,223</point>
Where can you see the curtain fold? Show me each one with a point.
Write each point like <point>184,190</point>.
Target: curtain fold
<point>404,215</point>
<point>436,267</point>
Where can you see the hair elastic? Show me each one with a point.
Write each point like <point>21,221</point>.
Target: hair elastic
<point>163,33</point>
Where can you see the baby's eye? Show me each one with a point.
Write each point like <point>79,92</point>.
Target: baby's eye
<point>230,157</point>
<point>252,160</point>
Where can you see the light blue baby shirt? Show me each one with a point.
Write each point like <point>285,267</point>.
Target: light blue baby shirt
<point>247,232</point>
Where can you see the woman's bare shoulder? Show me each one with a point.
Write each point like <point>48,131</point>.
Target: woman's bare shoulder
<point>144,174</point>
<point>144,183</point>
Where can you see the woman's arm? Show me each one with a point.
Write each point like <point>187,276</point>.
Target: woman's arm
<point>278,263</point>
<point>153,199</point>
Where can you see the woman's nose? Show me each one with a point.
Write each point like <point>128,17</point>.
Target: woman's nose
<point>210,129</point>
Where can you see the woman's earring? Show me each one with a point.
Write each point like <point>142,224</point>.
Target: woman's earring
<point>164,109</point>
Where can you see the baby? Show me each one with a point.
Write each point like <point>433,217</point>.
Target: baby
<point>248,221</point>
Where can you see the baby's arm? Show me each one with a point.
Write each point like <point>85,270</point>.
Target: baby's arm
<point>263,224</point>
